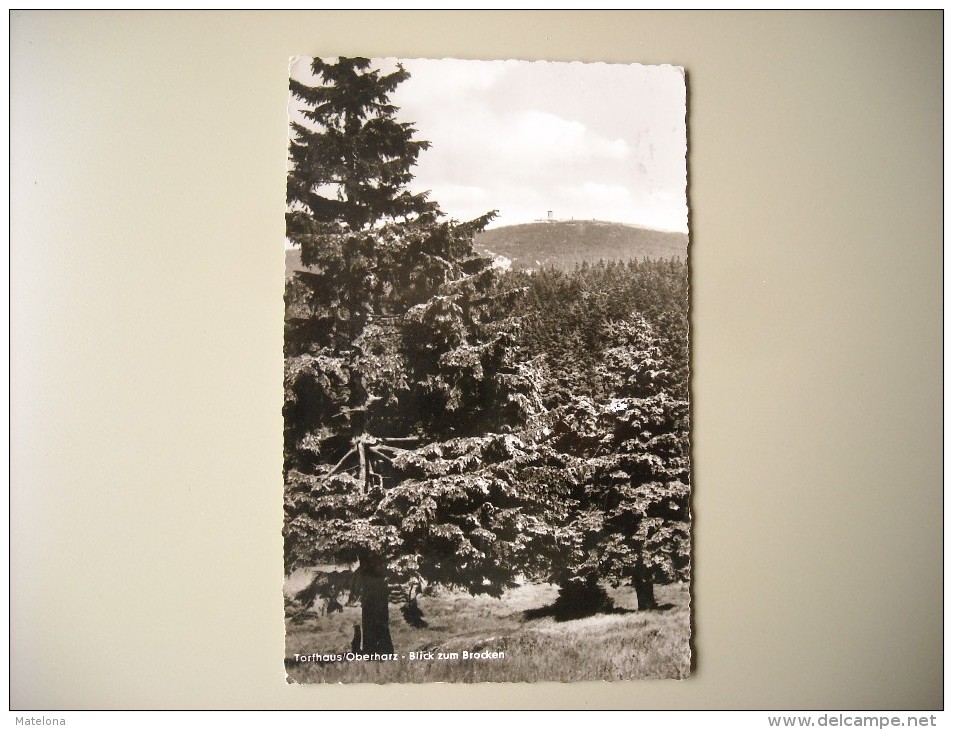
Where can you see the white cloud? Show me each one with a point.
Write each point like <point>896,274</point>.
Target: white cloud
<point>448,80</point>
<point>583,140</point>
<point>516,159</point>
<point>463,202</point>
<point>531,142</point>
<point>547,138</point>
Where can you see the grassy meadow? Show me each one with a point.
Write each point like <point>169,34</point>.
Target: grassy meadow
<point>623,645</point>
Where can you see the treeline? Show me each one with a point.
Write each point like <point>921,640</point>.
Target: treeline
<point>609,344</point>
<point>447,424</point>
<point>570,319</point>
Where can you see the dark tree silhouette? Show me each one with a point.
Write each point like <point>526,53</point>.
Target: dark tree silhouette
<point>407,404</point>
<point>448,425</point>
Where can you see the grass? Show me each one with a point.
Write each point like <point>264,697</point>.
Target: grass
<point>617,646</point>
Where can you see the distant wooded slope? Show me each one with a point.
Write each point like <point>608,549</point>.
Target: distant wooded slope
<point>563,244</point>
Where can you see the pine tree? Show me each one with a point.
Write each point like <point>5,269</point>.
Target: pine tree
<point>612,345</point>
<point>352,160</point>
<point>409,411</point>
<point>629,512</point>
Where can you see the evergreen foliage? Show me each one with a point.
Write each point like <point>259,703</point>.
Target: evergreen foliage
<point>611,340</point>
<point>351,161</point>
<point>449,424</point>
<point>406,403</point>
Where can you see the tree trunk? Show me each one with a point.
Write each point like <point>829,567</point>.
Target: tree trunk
<point>645,593</point>
<point>375,622</point>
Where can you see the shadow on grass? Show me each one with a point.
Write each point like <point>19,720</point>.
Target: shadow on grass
<point>571,613</point>
<point>582,599</point>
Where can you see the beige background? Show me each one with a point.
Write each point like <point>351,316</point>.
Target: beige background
<point>148,157</point>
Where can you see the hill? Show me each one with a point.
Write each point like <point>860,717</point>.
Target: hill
<point>565,243</point>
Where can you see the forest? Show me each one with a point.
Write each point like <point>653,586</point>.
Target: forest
<point>453,427</point>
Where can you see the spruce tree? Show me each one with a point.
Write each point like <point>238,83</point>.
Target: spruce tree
<point>408,410</point>
<point>351,161</point>
<point>629,512</point>
<point>610,340</point>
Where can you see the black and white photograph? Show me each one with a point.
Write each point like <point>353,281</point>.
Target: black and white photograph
<point>486,440</point>
<point>454,361</point>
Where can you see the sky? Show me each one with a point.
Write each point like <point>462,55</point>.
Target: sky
<point>585,141</point>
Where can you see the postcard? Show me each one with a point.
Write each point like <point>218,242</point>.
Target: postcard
<point>486,413</point>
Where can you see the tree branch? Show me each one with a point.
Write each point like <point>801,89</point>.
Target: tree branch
<point>341,462</point>
<point>383,456</point>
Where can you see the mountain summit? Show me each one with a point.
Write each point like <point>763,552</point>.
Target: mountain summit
<point>563,244</point>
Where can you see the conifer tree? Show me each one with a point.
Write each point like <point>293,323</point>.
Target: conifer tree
<point>629,512</point>
<point>351,161</point>
<point>407,407</point>
<point>612,343</point>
